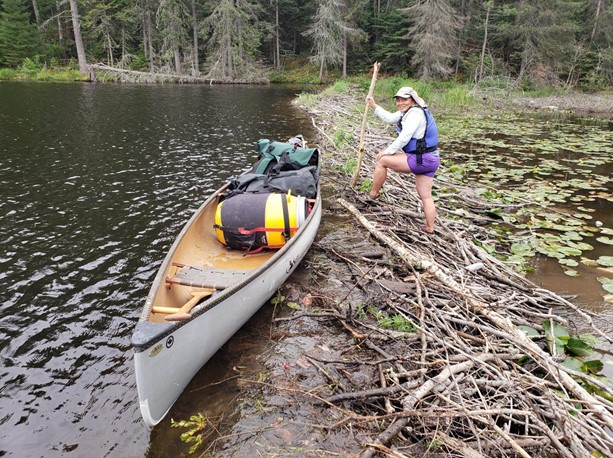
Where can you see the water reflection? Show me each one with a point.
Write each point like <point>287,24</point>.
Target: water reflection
<point>96,182</point>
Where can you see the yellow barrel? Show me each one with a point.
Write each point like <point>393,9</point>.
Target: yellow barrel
<point>253,221</point>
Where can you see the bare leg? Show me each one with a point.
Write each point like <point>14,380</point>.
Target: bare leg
<point>423,184</point>
<point>396,162</point>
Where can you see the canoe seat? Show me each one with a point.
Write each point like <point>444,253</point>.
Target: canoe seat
<point>206,277</point>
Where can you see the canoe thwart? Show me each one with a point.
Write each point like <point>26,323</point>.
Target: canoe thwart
<point>197,296</point>
<point>206,277</point>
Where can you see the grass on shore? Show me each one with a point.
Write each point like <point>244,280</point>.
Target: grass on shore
<point>33,70</point>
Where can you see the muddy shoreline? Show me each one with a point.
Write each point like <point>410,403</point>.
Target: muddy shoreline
<point>600,105</point>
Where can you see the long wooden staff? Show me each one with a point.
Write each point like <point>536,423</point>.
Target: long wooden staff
<point>375,70</point>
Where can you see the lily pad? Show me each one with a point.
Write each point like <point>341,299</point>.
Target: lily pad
<point>529,331</point>
<point>605,240</point>
<point>589,262</point>
<point>581,246</point>
<point>557,337</point>
<point>570,251</point>
<point>573,364</point>
<point>606,261</point>
<point>578,347</point>
<point>593,366</point>
<point>607,284</point>
<point>570,235</point>
<point>571,273</point>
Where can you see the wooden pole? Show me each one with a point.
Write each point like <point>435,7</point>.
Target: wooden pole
<point>375,71</point>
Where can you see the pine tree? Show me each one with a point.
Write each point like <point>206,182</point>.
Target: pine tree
<point>327,34</point>
<point>234,39</point>
<point>390,44</point>
<point>173,21</point>
<point>433,36</point>
<point>18,36</point>
<point>145,10</point>
<point>545,34</point>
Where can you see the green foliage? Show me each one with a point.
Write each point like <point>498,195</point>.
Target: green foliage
<point>348,167</point>
<point>8,74</point>
<point>530,45</point>
<point>18,36</point>
<point>342,138</point>
<point>30,67</point>
<point>340,86</point>
<point>196,426</point>
<point>296,70</point>
<point>365,186</point>
<point>395,322</point>
<point>232,55</point>
<point>390,43</point>
<point>280,299</point>
<point>578,350</point>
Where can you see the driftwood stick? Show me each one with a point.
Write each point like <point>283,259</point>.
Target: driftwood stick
<point>385,437</point>
<point>403,253</point>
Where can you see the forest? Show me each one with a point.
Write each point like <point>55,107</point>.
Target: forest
<point>529,43</point>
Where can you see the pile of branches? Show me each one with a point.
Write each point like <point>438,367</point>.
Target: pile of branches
<point>467,379</point>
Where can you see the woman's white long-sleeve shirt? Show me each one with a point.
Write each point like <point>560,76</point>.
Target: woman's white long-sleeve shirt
<point>413,126</point>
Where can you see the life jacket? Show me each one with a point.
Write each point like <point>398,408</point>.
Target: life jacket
<point>428,143</point>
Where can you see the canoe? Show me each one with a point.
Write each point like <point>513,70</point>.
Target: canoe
<point>202,294</point>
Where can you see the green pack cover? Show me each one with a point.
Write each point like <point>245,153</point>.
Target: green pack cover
<point>271,153</point>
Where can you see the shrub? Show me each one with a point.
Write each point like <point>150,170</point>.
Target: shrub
<point>7,74</point>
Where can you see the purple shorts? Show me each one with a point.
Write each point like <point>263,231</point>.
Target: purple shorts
<point>429,165</point>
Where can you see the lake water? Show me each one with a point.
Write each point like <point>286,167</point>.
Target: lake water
<point>95,183</point>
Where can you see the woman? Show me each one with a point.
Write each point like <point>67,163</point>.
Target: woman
<point>414,150</point>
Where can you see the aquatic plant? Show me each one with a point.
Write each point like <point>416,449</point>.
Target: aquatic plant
<point>544,179</point>
<point>194,435</point>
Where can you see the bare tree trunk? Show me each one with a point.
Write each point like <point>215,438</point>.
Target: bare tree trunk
<point>123,46</point>
<point>321,69</point>
<point>36,12</point>
<point>277,39</point>
<point>344,54</point>
<point>484,46</point>
<point>110,50</point>
<point>598,9</point>
<point>195,63</point>
<point>60,32</point>
<point>76,26</point>
<point>149,41</point>
<point>177,59</point>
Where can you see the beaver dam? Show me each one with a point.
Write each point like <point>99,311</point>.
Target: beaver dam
<point>401,343</point>
<point>449,351</point>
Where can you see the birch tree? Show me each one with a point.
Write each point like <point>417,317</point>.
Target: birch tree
<point>76,27</point>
